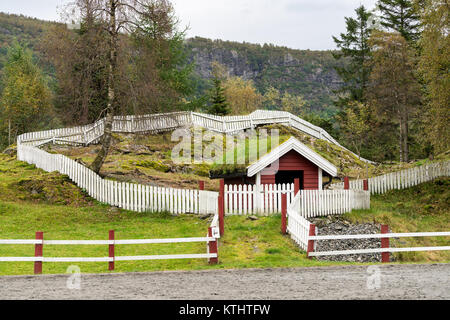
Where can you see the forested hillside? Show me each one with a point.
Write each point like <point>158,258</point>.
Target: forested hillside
<point>299,72</point>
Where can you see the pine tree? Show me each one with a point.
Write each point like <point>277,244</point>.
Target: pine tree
<point>354,45</point>
<point>400,16</point>
<point>219,105</point>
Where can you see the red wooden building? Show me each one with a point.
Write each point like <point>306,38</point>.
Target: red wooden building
<point>290,160</point>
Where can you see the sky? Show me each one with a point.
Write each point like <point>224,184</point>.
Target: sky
<point>297,24</point>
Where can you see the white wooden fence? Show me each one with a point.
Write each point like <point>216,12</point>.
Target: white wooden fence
<point>168,121</point>
<point>248,199</point>
<point>297,225</point>
<point>401,179</point>
<point>129,196</point>
<point>377,236</point>
<point>39,243</point>
<point>313,203</point>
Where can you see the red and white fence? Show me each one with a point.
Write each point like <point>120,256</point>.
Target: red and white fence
<point>401,179</point>
<point>384,250</point>
<point>211,240</point>
<point>249,199</point>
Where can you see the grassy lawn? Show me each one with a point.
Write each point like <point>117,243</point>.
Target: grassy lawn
<point>246,243</point>
<point>32,200</point>
<point>423,208</point>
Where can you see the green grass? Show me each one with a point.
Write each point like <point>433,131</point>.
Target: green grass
<point>32,200</point>
<point>246,244</point>
<point>423,208</point>
<point>64,212</point>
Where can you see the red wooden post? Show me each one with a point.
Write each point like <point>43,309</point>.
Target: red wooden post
<point>346,183</point>
<point>312,232</point>
<point>283,213</point>
<point>111,250</point>
<point>212,248</point>
<point>296,186</point>
<point>38,252</point>
<point>222,187</point>
<point>201,185</point>
<point>366,185</point>
<point>384,243</point>
<point>221,216</point>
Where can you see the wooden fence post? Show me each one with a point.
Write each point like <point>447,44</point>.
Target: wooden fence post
<point>366,185</point>
<point>38,252</point>
<point>384,244</point>
<point>346,183</point>
<point>212,248</point>
<point>201,185</point>
<point>296,186</point>
<point>111,250</point>
<point>221,215</point>
<point>312,232</point>
<point>283,212</point>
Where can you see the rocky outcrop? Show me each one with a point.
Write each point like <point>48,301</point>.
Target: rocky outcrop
<point>304,72</point>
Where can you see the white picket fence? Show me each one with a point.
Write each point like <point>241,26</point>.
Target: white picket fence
<point>129,196</point>
<point>314,203</point>
<point>297,225</point>
<point>140,198</point>
<point>401,179</point>
<point>248,199</point>
<point>168,121</point>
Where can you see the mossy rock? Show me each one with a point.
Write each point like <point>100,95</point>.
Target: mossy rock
<point>157,165</point>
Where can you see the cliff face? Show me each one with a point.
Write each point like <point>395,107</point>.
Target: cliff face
<point>308,73</point>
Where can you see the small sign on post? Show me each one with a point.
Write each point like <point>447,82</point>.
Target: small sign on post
<point>212,245</point>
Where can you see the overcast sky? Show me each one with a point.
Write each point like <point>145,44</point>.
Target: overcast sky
<point>298,24</point>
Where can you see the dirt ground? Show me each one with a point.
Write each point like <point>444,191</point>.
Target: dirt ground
<point>428,281</point>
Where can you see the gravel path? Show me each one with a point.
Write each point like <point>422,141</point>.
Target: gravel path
<point>430,281</point>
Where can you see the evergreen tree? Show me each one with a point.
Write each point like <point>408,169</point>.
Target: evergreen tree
<point>219,105</point>
<point>400,16</point>
<point>25,103</point>
<point>354,46</point>
<point>434,65</point>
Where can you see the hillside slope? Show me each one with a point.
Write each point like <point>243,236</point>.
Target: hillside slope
<point>305,72</point>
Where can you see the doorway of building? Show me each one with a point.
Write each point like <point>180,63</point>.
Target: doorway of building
<point>289,176</point>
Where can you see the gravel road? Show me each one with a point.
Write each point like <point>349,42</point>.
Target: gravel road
<point>430,281</point>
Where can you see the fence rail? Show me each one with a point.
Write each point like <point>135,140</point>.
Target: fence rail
<point>39,242</point>
<point>401,179</point>
<point>378,236</point>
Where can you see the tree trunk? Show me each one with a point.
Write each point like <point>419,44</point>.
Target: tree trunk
<point>107,134</point>
<point>9,132</point>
